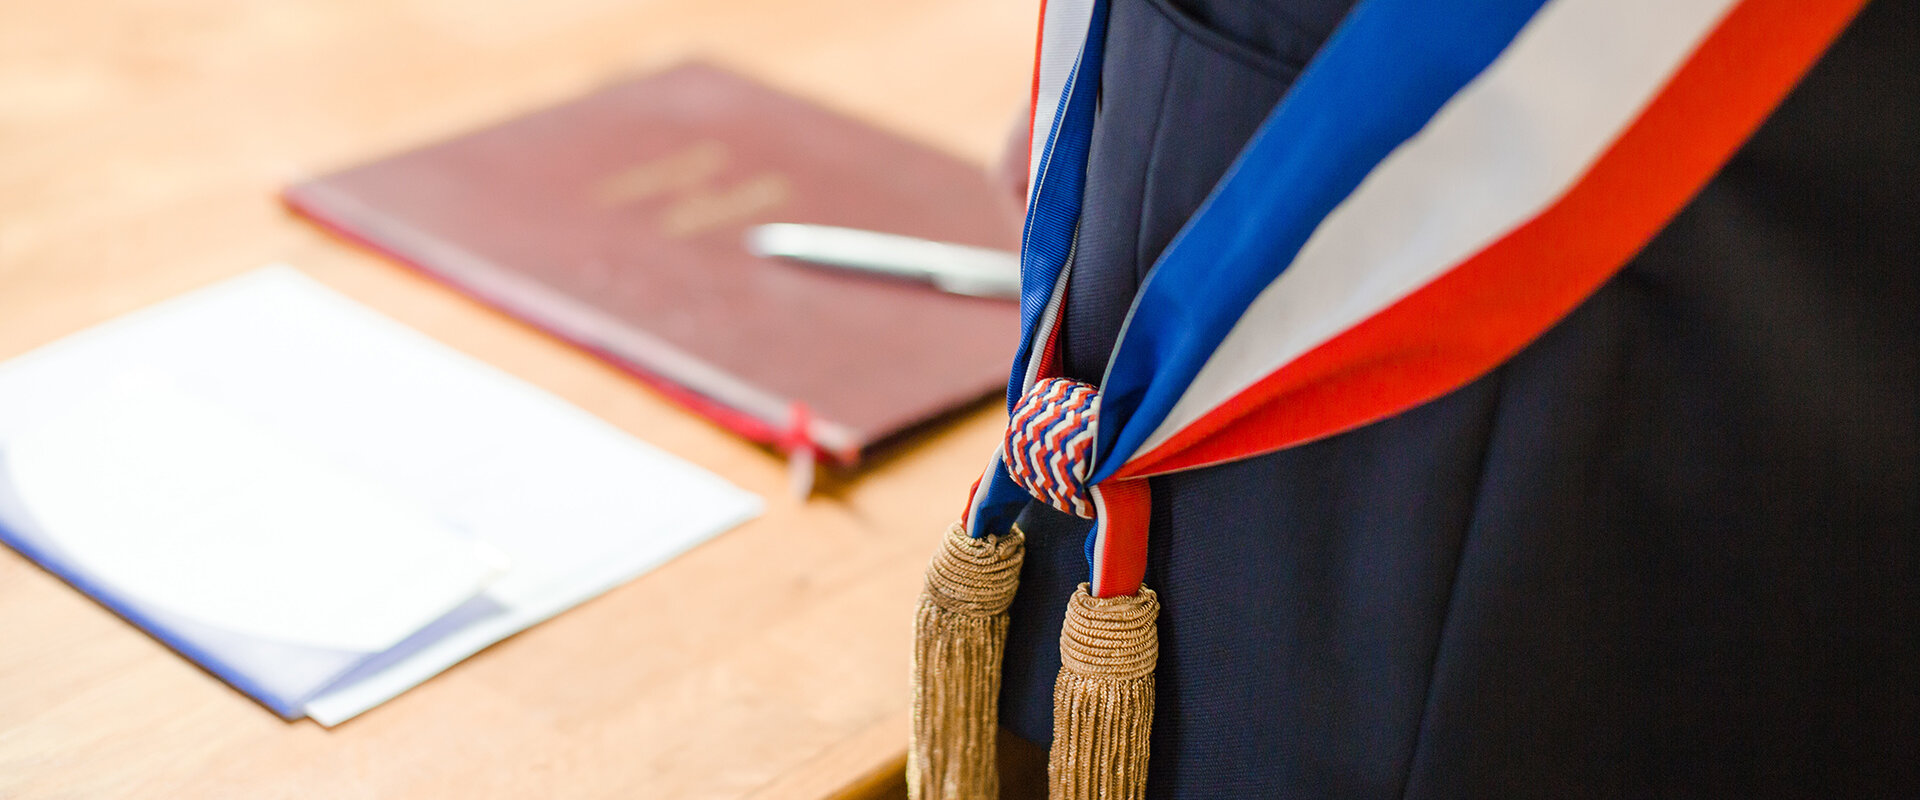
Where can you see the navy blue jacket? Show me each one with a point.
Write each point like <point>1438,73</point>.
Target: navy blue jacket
<point>1670,549</point>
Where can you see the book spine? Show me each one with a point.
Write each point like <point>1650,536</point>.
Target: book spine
<point>698,387</point>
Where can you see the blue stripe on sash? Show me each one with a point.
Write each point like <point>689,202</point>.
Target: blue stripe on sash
<point>1054,208</point>
<point>1382,75</point>
<point>1053,214</point>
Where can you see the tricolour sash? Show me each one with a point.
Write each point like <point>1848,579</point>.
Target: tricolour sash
<point>1444,182</point>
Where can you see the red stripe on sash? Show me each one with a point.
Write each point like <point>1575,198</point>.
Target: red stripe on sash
<point>1033,96</point>
<point>1124,509</point>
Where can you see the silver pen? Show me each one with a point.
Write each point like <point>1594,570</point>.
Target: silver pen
<point>956,268</point>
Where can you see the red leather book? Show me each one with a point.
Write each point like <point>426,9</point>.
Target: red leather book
<point>616,221</point>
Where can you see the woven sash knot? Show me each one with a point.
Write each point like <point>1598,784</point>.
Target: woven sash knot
<point>1049,447</point>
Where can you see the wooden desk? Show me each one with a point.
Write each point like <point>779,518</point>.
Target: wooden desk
<point>141,145</point>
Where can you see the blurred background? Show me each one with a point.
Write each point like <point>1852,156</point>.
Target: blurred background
<point>143,145</point>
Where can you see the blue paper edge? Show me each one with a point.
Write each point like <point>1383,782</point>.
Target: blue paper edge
<point>290,709</point>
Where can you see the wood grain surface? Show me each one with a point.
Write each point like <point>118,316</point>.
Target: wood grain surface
<point>141,146</point>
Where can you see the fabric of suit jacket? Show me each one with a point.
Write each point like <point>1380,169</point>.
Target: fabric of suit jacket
<point>1672,548</point>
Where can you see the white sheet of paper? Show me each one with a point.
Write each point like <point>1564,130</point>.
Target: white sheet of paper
<point>578,506</point>
<point>196,509</point>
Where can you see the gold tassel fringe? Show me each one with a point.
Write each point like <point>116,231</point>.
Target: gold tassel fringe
<point>1103,699</point>
<point>960,635</point>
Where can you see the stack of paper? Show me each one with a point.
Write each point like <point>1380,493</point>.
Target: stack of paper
<point>319,505</point>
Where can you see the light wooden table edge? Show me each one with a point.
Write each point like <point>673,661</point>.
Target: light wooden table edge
<point>877,755</point>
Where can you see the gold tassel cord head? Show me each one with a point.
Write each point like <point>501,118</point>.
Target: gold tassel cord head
<point>976,577</point>
<point>960,637</point>
<point>1103,698</point>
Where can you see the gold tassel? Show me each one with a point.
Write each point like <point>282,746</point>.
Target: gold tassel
<point>1103,699</point>
<point>960,635</point>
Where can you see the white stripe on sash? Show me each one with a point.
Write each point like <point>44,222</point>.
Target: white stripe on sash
<point>1508,145</point>
<point>1063,30</point>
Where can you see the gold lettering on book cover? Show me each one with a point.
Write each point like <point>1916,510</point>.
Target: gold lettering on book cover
<point>705,209</point>
<point>696,200</point>
<point>684,169</point>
